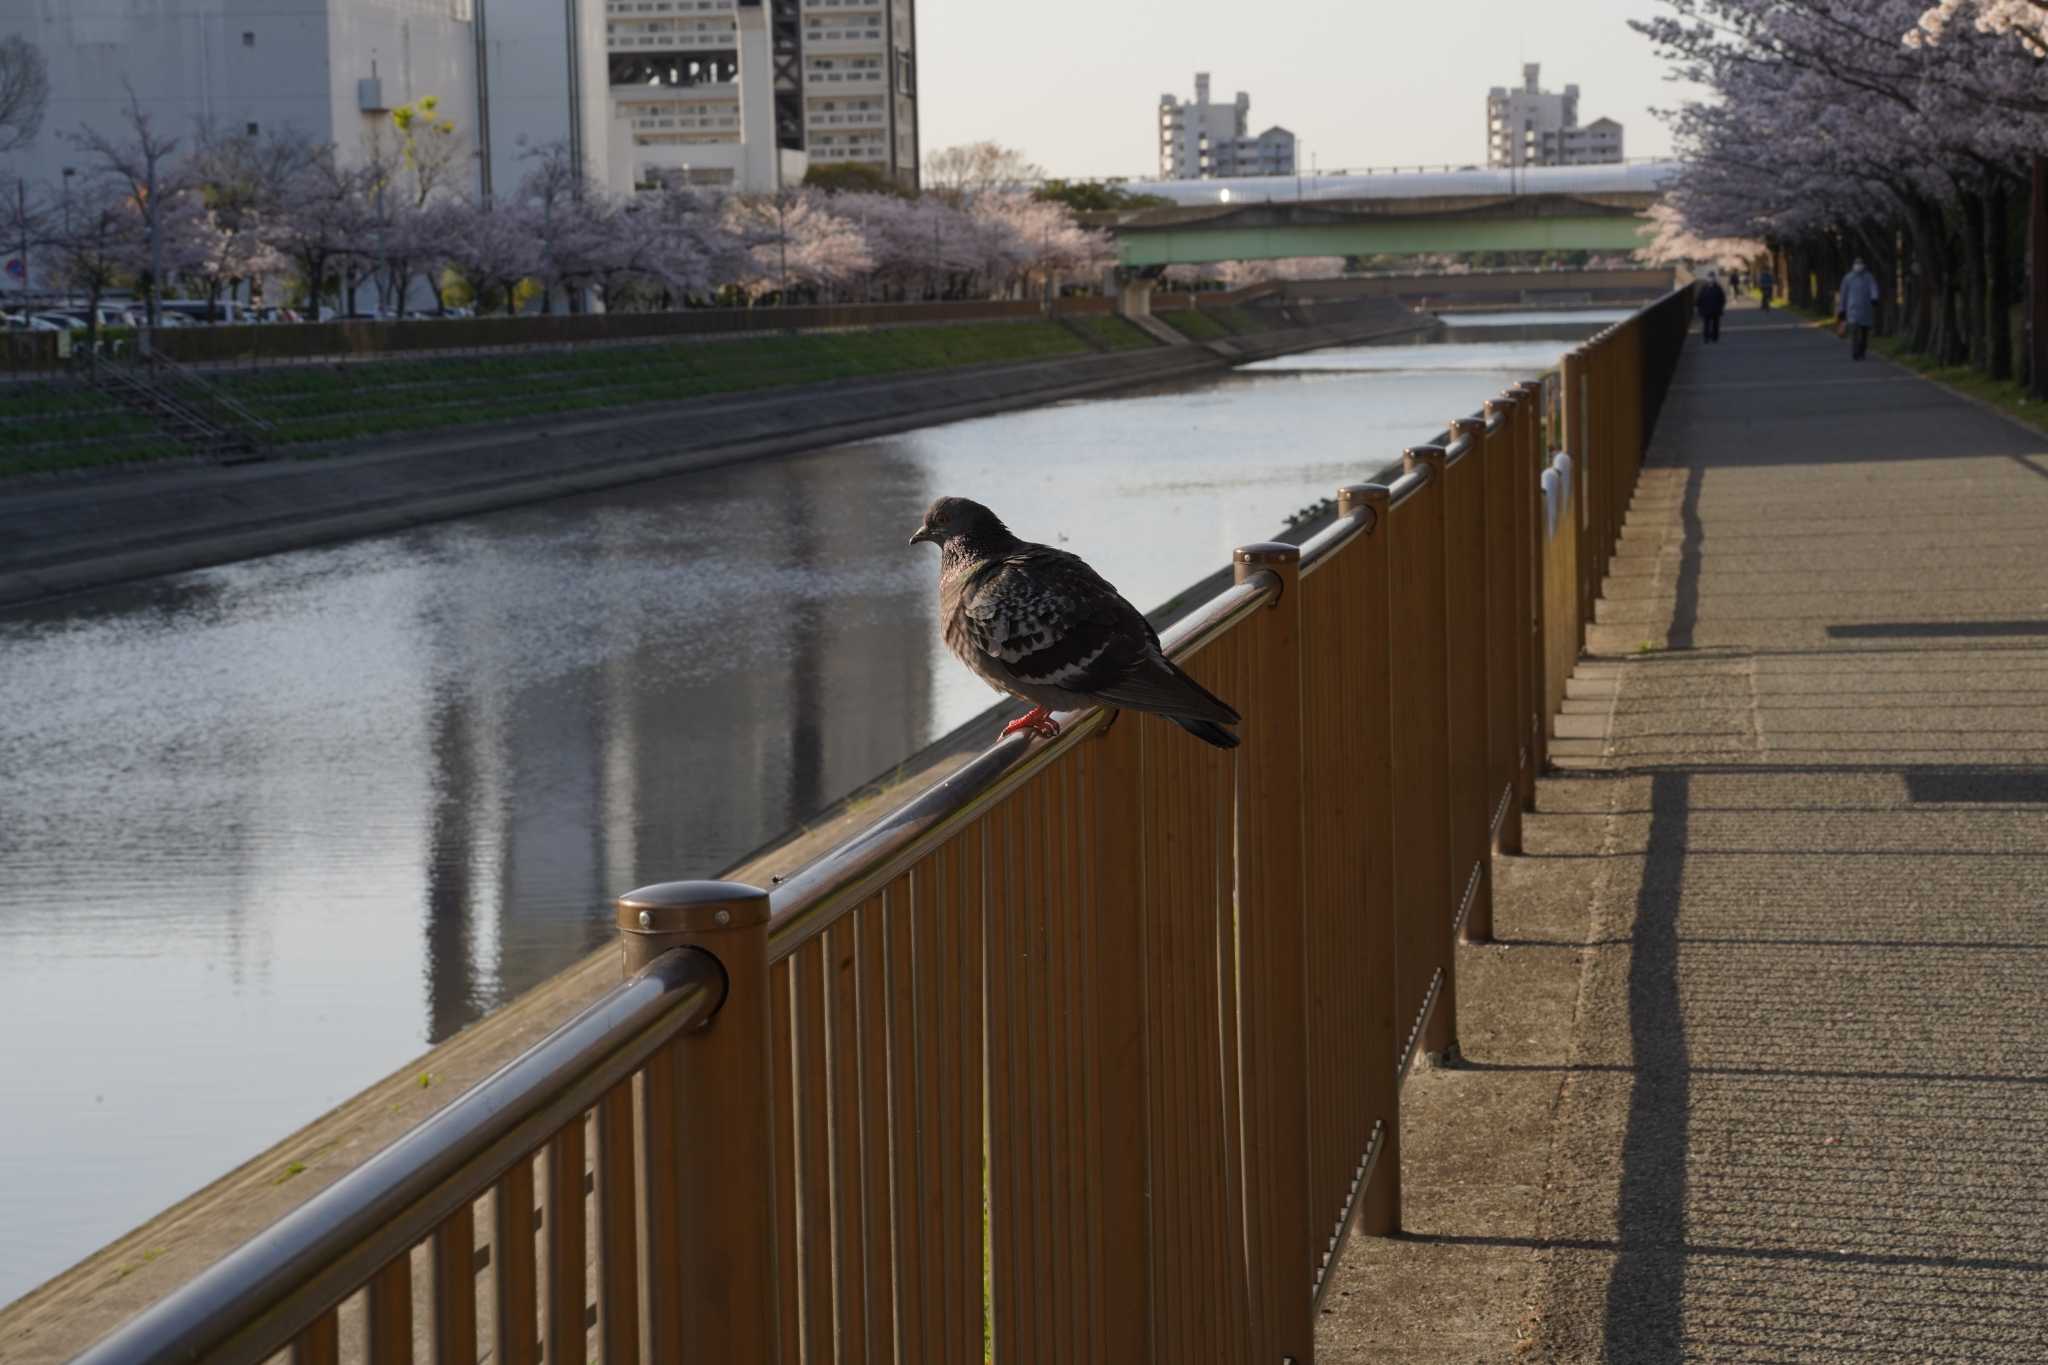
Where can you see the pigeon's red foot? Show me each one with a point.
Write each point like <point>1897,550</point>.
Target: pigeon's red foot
<point>1038,720</point>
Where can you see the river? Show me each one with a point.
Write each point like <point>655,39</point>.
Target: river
<point>271,829</point>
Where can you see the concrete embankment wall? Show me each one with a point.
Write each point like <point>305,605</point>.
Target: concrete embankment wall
<point>73,536</point>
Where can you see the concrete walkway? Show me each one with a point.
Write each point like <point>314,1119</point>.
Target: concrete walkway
<point>1797,1108</point>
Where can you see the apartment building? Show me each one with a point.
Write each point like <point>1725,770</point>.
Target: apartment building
<point>1203,140</point>
<point>1531,126</point>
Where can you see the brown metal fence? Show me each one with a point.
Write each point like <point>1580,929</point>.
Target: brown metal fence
<point>1092,1052</point>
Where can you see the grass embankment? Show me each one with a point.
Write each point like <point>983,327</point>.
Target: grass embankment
<point>60,424</point>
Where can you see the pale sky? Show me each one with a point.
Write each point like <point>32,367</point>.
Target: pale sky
<point>1075,84</point>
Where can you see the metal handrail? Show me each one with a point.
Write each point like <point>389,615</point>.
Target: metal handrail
<point>248,1306</point>
<point>811,901</point>
<point>1408,485</point>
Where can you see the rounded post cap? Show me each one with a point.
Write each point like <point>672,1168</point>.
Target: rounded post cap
<point>1467,426</point>
<point>1367,499</point>
<point>1266,552</point>
<point>1431,456</point>
<point>1504,400</point>
<point>692,907</point>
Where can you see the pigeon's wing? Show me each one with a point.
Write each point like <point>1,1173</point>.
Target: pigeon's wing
<point>1051,621</point>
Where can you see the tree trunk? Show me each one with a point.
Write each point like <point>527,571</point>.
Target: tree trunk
<point>2037,281</point>
<point>1976,334</point>
<point>1998,273</point>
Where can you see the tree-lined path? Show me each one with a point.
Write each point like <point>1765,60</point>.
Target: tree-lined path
<point>1797,1107</point>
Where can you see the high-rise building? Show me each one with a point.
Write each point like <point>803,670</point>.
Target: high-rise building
<point>1203,141</point>
<point>740,94</point>
<point>1532,126</point>
<point>839,86</point>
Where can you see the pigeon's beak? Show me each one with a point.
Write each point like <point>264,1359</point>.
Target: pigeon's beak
<point>923,533</point>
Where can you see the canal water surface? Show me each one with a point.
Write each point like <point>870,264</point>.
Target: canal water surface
<point>269,830</point>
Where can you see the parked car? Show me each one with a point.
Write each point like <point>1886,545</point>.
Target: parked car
<point>61,322</point>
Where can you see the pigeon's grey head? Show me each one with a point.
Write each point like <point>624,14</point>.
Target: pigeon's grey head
<point>961,519</point>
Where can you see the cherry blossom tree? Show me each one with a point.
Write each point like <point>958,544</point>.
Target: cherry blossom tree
<point>147,161</point>
<point>1886,129</point>
<point>96,236</point>
<point>798,240</point>
<point>493,247</point>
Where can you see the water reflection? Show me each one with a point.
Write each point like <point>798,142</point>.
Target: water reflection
<point>267,830</point>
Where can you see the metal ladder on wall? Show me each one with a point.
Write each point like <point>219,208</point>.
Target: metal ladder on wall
<point>188,407</point>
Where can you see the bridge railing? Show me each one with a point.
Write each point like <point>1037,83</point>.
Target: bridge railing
<point>1091,1052</point>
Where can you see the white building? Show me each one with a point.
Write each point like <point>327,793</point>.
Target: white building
<point>1536,127</point>
<point>838,87</point>
<point>1199,140</point>
<point>634,87</point>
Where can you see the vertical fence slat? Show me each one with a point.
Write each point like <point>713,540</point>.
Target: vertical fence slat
<point>1008,1274</point>
<point>843,1077</point>
<point>513,1263</point>
<point>1382,954</point>
<point>387,1301</point>
<point>1502,541</point>
<point>909,1172</point>
<point>782,1047</point>
<point>942,968</point>
<point>320,1342</point>
<point>1069,970</point>
<point>926,985</point>
<point>618,1275</point>
<point>970,1136</point>
<point>1121,1074</point>
<point>1467,679</point>
<point>1270,938</point>
<point>660,1228</point>
<point>813,1155</point>
<point>873,1032</point>
<point>1423,854</point>
<point>565,1227</point>
<point>453,1258</point>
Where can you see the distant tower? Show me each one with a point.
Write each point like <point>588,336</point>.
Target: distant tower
<point>1200,140</point>
<point>1533,127</point>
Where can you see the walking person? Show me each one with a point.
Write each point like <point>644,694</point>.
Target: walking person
<point>1766,285</point>
<point>1710,302</point>
<point>1856,305</point>
<point>1735,283</point>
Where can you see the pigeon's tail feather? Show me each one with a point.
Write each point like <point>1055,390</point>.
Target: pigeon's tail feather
<point>1163,688</point>
<point>1208,731</point>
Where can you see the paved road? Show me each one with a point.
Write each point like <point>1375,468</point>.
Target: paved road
<point>1759,1069</point>
<point>1808,1110</point>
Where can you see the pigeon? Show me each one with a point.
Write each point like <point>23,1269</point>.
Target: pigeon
<point>1038,623</point>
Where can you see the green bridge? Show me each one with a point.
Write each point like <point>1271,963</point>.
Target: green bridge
<point>1194,234</point>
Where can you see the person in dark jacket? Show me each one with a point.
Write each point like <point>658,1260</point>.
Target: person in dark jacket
<point>1710,302</point>
<point>1766,286</point>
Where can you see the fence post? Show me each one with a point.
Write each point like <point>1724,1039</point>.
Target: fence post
<point>1422,766</point>
<point>1272,940</point>
<point>1532,454</point>
<point>1577,390</point>
<point>1467,683</point>
<point>1505,559</point>
<point>711,1214</point>
<point>1379,1198</point>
